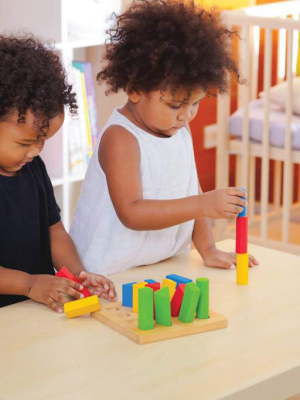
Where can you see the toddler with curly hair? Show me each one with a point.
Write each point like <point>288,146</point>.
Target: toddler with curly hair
<point>141,202</point>
<point>33,94</point>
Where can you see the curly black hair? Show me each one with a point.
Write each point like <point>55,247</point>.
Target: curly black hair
<point>159,44</point>
<point>32,78</point>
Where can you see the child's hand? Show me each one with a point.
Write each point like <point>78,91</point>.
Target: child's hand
<point>222,203</point>
<point>220,259</point>
<point>99,285</point>
<point>48,289</point>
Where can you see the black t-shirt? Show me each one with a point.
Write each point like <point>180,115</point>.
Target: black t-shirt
<point>27,210</point>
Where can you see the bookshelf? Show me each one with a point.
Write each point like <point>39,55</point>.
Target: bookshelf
<point>50,21</point>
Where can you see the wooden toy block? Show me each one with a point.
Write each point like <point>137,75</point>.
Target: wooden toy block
<point>154,286</point>
<point>127,294</point>
<point>189,303</point>
<point>203,305</point>
<point>178,279</point>
<point>244,212</point>
<point>145,311</point>
<point>125,322</point>
<point>83,306</point>
<point>65,273</point>
<point>163,307</point>
<point>177,300</point>
<point>150,280</point>
<point>241,244</point>
<point>135,298</point>
<point>242,269</point>
<point>171,285</point>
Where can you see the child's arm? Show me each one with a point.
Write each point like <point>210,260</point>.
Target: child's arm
<point>64,253</point>
<point>119,157</point>
<point>205,244</point>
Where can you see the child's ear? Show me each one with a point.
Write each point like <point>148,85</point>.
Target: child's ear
<point>134,97</point>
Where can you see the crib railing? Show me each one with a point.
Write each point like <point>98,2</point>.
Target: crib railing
<point>282,18</point>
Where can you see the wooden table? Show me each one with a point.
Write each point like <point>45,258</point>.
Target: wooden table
<point>45,356</point>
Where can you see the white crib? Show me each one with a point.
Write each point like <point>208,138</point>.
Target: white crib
<point>282,17</point>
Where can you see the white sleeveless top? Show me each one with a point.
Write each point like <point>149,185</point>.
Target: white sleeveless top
<point>168,171</point>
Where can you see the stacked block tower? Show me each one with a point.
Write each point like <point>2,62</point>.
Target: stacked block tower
<point>242,264</point>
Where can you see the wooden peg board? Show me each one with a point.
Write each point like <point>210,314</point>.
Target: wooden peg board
<point>124,321</point>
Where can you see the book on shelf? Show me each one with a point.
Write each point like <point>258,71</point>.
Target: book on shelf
<point>86,69</point>
<point>83,129</point>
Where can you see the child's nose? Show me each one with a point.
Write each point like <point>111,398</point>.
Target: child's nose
<point>185,115</point>
<point>34,150</point>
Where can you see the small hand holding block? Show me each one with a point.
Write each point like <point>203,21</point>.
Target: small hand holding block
<point>65,273</point>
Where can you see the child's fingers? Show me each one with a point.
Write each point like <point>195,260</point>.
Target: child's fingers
<point>238,201</point>
<point>234,209</point>
<point>107,297</point>
<point>54,306</point>
<point>230,215</point>
<point>68,287</point>
<point>232,191</point>
<point>107,284</point>
<point>83,277</point>
<point>222,263</point>
<point>252,261</point>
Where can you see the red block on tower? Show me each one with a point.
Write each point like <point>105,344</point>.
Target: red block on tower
<point>177,300</point>
<point>241,235</point>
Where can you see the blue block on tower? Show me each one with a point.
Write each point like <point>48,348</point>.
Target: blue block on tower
<point>150,281</point>
<point>244,212</point>
<point>178,279</point>
<point>127,294</point>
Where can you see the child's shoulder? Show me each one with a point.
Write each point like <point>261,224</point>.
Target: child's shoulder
<point>116,143</point>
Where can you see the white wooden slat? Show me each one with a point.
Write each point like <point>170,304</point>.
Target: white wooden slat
<point>239,18</point>
<point>255,36</point>
<point>296,17</point>
<point>287,181</point>
<point>222,157</point>
<point>277,184</point>
<point>266,134</point>
<point>251,194</point>
<point>281,55</point>
<point>245,70</point>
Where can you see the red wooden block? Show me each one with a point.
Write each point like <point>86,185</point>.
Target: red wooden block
<point>65,273</point>
<point>241,235</point>
<point>154,286</point>
<point>177,300</point>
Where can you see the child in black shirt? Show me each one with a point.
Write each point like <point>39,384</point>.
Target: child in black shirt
<point>33,93</point>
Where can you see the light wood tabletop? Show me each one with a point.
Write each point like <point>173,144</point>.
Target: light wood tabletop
<point>43,355</point>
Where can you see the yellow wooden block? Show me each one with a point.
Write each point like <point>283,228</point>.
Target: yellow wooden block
<point>83,306</point>
<point>242,268</point>
<point>135,295</point>
<point>171,285</point>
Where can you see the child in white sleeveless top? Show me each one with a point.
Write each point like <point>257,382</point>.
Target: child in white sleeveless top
<point>141,202</point>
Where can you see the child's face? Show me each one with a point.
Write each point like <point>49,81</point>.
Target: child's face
<point>20,143</point>
<point>162,113</point>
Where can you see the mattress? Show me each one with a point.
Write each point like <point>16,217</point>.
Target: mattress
<point>277,124</point>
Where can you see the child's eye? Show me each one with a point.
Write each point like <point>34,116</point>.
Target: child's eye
<point>174,107</point>
<point>24,144</point>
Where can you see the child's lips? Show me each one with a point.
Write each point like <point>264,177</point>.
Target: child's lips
<point>24,163</point>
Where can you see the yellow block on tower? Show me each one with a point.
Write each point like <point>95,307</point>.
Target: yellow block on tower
<point>242,268</point>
